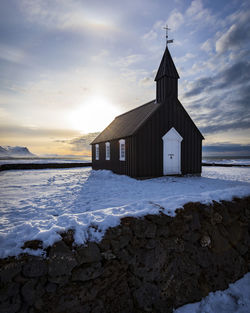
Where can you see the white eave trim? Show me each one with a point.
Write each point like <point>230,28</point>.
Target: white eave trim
<point>172,134</point>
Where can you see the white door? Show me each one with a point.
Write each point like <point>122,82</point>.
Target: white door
<point>172,152</point>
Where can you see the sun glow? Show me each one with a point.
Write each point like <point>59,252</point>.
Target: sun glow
<point>94,115</point>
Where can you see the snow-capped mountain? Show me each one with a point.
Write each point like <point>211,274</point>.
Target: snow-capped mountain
<point>3,152</point>
<point>17,151</point>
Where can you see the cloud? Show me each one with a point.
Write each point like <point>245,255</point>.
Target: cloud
<point>195,8</point>
<point>233,76</point>
<point>197,14</point>
<point>199,86</point>
<point>13,54</point>
<point>128,60</point>
<point>15,130</point>
<point>146,80</point>
<point>237,124</point>
<point>175,19</point>
<point>100,57</point>
<point>195,18</point>
<point>185,58</point>
<point>237,74</point>
<point>68,15</point>
<point>236,33</point>
<point>233,38</point>
<point>81,143</point>
<point>151,35</point>
<point>207,46</point>
<point>220,103</point>
<point>149,79</point>
<point>198,17</point>
<point>226,148</point>
<point>243,96</point>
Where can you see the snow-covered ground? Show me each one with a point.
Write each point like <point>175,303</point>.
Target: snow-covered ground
<point>227,173</point>
<point>235,299</point>
<point>37,204</point>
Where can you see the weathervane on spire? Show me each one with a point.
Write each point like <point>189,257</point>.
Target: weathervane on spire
<point>168,41</point>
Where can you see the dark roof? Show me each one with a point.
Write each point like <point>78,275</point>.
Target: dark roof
<point>127,123</point>
<point>167,67</point>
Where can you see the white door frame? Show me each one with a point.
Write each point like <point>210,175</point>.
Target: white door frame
<point>172,136</point>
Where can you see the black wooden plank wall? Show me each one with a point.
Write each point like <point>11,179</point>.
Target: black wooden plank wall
<point>150,144</point>
<point>166,87</point>
<point>144,151</point>
<point>126,167</point>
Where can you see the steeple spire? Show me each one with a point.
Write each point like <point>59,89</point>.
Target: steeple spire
<point>167,67</point>
<point>167,75</point>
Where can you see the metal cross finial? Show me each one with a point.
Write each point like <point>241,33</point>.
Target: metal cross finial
<point>168,41</point>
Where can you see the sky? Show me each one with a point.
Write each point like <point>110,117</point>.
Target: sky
<point>68,67</point>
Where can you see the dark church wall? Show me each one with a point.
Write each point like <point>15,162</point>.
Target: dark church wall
<point>127,167</point>
<point>144,150</point>
<point>166,87</point>
<point>150,143</point>
<point>149,148</point>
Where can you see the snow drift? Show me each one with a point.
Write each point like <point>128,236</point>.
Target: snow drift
<point>40,204</point>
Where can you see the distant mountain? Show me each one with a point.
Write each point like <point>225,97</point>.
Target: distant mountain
<point>3,152</point>
<point>17,151</point>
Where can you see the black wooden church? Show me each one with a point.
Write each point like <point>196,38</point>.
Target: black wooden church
<point>157,138</point>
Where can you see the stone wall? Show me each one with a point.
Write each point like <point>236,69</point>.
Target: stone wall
<point>153,264</point>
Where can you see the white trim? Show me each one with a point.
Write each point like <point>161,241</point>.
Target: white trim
<point>107,150</point>
<point>172,134</point>
<point>97,151</point>
<point>122,150</point>
<point>172,149</point>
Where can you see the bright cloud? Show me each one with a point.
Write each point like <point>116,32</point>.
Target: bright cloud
<point>176,19</point>
<point>12,54</point>
<point>67,15</point>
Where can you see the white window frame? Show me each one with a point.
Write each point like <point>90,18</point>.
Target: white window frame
<point>122,155</point>
<point>97,151</point>
<point>107,144</point>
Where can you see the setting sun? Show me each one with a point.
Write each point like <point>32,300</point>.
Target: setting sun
<point>94,115</point>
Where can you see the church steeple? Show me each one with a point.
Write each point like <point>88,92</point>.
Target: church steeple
<point>166,77</point>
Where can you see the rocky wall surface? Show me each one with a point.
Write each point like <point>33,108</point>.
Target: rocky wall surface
<point>152,264</point>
